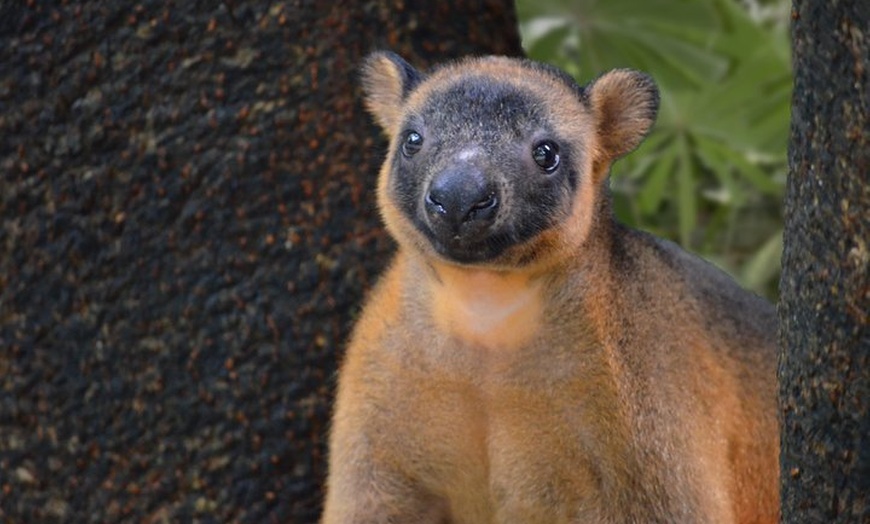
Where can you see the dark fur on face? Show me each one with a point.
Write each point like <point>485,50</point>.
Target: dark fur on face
<point>488,155</point>
<point>477,124</point>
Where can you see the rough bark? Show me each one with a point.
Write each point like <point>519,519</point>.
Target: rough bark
<point>188,225</point>
<point>824,369</point>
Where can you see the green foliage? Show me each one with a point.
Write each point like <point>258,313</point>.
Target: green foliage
<point>711,175</point>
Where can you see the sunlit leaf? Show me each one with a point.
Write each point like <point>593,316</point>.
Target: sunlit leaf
<point>549,42</point>
<point>686,192</point>
<point>764,265</point>
<point>722,169</point>
<point>653,192</point>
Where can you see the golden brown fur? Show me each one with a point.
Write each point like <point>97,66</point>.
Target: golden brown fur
<point>588,374</point>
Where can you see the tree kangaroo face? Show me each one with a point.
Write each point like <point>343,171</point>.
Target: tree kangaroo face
<point>498,162</point>
<point>478,168</point>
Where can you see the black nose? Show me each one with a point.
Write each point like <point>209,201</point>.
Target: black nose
<point>460,200</point>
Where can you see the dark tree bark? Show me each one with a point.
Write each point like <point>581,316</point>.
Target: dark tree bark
<point>188,224</point>
<point>824,368</point>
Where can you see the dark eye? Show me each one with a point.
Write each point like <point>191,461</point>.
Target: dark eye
<point>546,155</point>
<point>413,142</point>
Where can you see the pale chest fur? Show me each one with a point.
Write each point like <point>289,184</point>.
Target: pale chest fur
<point>488,310</point>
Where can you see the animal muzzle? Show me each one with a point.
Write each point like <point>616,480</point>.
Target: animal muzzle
<point>461,205</point>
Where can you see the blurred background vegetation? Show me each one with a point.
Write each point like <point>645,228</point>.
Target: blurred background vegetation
<point>711,175</point>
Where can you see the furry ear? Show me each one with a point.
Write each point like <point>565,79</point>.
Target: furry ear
<point>625,104</point>
<point>387,80</point>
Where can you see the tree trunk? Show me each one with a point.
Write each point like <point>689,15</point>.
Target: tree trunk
<point>824,369</point>
<point>188,225</point>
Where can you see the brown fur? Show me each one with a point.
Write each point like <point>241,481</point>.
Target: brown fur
<point>590,374</point>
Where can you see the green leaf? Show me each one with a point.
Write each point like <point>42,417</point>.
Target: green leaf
<point>762,180</point>
<point>721,168</point>
<point>653,190</point>
<point>549,42</point>
<point>764,265</point>
<point>686,192</point>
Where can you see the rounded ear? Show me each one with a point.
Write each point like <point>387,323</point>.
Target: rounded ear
<point>387,80</point>
<point>625,104</point>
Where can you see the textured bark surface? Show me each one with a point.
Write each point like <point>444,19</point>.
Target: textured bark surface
<point>188,226</point>
<point>825,288</point>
